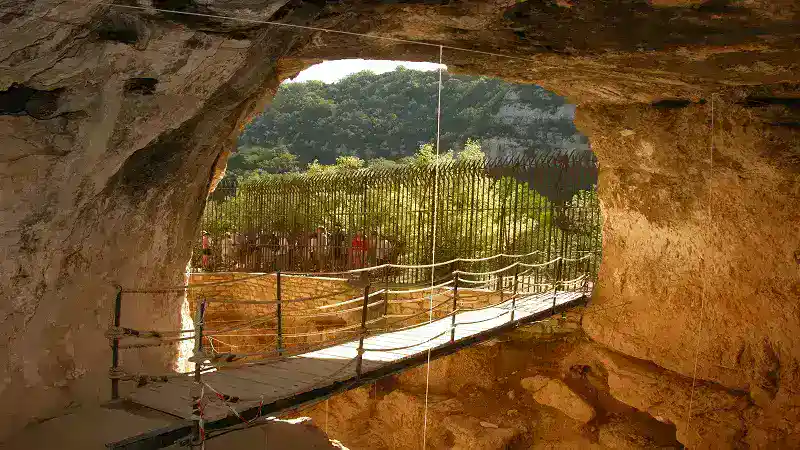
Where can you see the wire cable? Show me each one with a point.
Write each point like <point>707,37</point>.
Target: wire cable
<point>433,247</point>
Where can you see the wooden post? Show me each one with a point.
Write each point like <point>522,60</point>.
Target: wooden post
<point>514,292</point>
<point>455,307</point>
<point>363,332</point>
<point>115,345</point>
<point>278,313</point>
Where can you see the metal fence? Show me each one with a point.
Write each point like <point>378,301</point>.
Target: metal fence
<point>544,205</point>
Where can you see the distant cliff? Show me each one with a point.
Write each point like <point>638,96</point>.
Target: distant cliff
<point>390,115</point>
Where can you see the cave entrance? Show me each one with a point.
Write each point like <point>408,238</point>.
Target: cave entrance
<point>346,154</point>
<point>349,147</point>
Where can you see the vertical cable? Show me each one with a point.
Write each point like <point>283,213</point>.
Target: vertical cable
<point>433,247</point>
<point>705,277</point>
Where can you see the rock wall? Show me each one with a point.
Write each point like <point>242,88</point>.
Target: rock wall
<point>486,397</point>
<point>700,268</point>
<point>113,122</point>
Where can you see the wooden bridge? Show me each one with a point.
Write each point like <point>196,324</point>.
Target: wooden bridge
<point>229,390</point>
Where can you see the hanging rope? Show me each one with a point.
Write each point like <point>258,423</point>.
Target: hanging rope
<point>704,285</point>
<point>433,247</point>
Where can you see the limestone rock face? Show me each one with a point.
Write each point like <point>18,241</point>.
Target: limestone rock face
<point>554,393</point>
<point>114,123</point>
<point>686,280</point>
<point>463,429</point>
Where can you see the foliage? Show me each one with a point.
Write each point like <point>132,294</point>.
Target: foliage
<point>261,159</point>
<point>477,214</point>
<point>390,115</point>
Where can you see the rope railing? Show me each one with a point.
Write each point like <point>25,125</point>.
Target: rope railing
<point>421,289</point>
<point>277,340</point>
<point>492,272</point>
<point>351,271</point>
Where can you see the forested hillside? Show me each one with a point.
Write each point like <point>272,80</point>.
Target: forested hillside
<point>390,115</point>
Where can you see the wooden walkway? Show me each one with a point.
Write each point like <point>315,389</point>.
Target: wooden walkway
<point>270,388</point>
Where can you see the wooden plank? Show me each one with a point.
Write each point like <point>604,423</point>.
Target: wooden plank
<point>298,377</point>
<point>285,378</point>
<point>229,386</point>
<point>313,366</point>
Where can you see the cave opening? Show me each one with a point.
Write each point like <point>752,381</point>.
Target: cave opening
<point>103,188</point>
<point>374,119</point>
<point>345,116</point>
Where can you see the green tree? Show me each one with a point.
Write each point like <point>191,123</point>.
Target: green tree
<point>262,159</point>
<point>390,115</point>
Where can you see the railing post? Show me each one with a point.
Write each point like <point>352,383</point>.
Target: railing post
<point>115,345</point>
<point>386,294</point>
<point>278,313</point>
<point>199,318</point>
<point>514,292</point>
<point>363,331</point>
<point>455,308</point>
<point>502,283</point>
<point>557,282</point>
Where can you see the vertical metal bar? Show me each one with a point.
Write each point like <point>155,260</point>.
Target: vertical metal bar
<point>198,364</point>
<point>549,231</point>
<point>363,333</point>
<point>433,218</point>
<point>455,306</point>
<point>386,292</point>
<point>514,293</point>
<point>115,345</point>
<point>556,284</point>
<point>278,313</point>
<point>474,244</point>
<point>198,338</point>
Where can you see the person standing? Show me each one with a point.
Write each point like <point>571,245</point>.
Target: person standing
<point>206,242</point>
<point>358,250</point>
<point>319,247</point>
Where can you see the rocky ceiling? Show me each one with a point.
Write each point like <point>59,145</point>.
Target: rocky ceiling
<point>113,120</point>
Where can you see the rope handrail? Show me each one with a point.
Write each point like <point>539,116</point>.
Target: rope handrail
<point>456,260</point>
<point>586,256</point>
<point>305,350</point>
<point>572,281</point>
<point>331,313</point>
<point>462,280</point>
<point>589,254</point>
<point>352,300</point>
<point>485,320</point>
<point>447,330</point>
<point>415,315</point>
<point>426,288</point>
<point>546,263</point>
<point>461,272</point>
<point>275,302</point>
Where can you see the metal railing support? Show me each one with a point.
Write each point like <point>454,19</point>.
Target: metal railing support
<point>198,365</point>
<point>115,345</point>
<point>557,283</point>
<point>199,318</point>
<point>363,333</point>
<point>514,292</point>
<point>278,313</point>
<point>386,293</point>
<point>455,308</point>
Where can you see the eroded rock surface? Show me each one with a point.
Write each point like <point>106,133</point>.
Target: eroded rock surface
<point>114,122</point>
<point>553,392</point>
<point>389,414</point>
